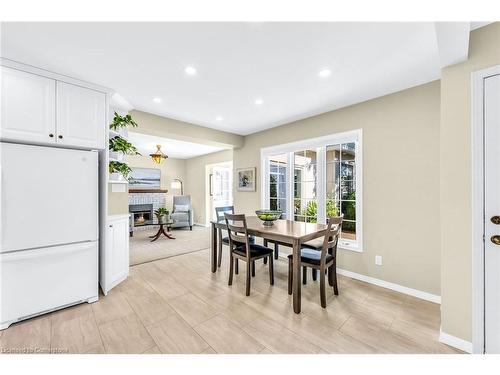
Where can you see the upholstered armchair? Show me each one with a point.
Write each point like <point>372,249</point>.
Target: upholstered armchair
<point>182,212</point>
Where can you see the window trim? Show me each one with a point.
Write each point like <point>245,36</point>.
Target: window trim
<point>320,144</point>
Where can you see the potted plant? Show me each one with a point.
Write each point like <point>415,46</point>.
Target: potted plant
<point>119,171</point>
<point>119,146</point>
<point>161,213</point>
<point>121,123</point>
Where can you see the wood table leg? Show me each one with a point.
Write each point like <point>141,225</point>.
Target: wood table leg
<point>157,235</point>
<point>165,233</point>
<point>213,248</point>
<point>296,277</point>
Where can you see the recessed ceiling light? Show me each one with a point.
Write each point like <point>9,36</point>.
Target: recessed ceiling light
<point>219,118</point>
<point>190,71</point>
<point>259,101</point>
<point>324,73</point>
<point>157,100</point>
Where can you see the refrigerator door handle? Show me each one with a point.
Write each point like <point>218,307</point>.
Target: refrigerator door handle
<point>45,252</point>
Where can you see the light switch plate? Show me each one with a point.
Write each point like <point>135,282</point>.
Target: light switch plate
<point>378,260</point>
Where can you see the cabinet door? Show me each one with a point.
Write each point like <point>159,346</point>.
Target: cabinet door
<point>28,107</point>
<point>116,259</point>
<point>81,116</point>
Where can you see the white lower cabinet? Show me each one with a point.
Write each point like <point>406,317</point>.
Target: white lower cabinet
<point>114,257</point>
<point>33,282</point>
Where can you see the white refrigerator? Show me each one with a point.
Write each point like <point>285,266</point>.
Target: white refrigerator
<point>49,230</point>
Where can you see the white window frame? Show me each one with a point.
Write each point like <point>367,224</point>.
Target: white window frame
<point>319,144</point>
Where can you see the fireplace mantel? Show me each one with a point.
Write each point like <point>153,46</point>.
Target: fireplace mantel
<point>147,190</point>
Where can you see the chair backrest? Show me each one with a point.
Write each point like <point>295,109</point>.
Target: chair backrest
<point>219,212</point>
<point>237,230</point>
<point>331,237</point>
<point>181,200</point>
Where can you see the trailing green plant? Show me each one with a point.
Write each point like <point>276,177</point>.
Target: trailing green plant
<point>122,122</point>
<point>119,167</point>
<point>120,144</point>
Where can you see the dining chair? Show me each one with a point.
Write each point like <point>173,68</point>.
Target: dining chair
<point>240,248</point>
<point>219,214</point>
<point>322,260</point>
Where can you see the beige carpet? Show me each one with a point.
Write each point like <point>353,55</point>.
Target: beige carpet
<point>142,250</point>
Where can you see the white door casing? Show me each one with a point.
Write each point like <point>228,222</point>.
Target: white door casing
<point>492,209</point>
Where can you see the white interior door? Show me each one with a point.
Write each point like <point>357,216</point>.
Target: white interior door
<point>492,213</point>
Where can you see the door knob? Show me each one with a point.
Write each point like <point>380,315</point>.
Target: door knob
<point>495,220</point>
<point>495,240</point>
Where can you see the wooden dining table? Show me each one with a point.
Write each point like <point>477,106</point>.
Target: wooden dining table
<point>291,233</point>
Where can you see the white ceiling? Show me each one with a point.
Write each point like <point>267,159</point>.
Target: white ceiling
<point>146,144</point>
<point>236,64</point>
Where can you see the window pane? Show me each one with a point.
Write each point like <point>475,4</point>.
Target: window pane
<point>347,170</point>
<point>348,230</point>
<point>277,182</point>
<point>332,153</point>
<point>348,190</point>
<point>305,190</point>
<point>332,208</point>
<point>348,151</point>
<point>348,209</point>
<point>305,172</point>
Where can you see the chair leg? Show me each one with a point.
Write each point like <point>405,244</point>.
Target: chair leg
<point>322,287</point>
<point>271,270</point>
<point>190,227</point>
<point>290,276</point>
<point>265,260</point>
<point>249,270</point>
<point>304,275</point>
<point>236,268</point>
<point>314,274</point>
<point>265,242</point>
<point>276,250</point>
<point>219,260</point>
<point>253,268</point>
<point>333,272</point>
<point>230,270</point>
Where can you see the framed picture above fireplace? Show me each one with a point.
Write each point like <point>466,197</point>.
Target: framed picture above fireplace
<point>145,178</point>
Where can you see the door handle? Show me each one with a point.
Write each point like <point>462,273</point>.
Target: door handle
<point>495,240</point>
<point>495,219</point>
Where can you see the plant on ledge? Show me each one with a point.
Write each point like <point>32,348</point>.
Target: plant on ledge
<point>122,122</point>
<point>119,167</point>
<point>119,144</point>
<point>161,213</point>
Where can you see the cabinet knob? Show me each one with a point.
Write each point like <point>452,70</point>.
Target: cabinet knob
<point>111,226</point>
<point>51,135</point>
<point>60,136</point>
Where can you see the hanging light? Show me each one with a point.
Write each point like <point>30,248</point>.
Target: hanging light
<point>158,157</point>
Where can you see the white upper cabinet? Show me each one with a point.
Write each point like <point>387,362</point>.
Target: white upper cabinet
<point>81,116</point>
<point>41,110</point>
<point>28,107</point>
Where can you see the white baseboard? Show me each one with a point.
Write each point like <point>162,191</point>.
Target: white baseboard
<point>385,284</point>
<point>456,342</point>
<point>202,225</point>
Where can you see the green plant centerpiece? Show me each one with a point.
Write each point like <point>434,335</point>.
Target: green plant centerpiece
<point>162,214</point>
<point>122,122</point>
<point>120,168</point>
<point>120,144</point>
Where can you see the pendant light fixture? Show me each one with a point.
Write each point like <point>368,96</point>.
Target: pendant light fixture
<point>158,157</point>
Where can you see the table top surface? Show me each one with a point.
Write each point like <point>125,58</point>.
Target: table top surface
<point>152,222</point>
<point>284,228</point>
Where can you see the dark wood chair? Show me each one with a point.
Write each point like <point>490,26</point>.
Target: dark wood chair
<point>322,260</point>
<point>240,248</point>
<point>219,214</point>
